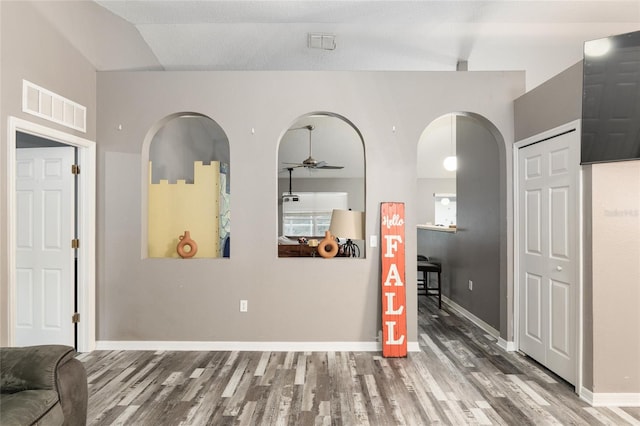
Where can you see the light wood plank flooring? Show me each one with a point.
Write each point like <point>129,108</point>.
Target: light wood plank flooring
<point>460,377</point>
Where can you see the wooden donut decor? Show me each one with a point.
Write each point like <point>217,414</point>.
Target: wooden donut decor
<point>328,247</point>
<point>186,241</point>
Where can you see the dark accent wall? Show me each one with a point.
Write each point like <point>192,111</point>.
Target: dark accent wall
<point>473,252</point>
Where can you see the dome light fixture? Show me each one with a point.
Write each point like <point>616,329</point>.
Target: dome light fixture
<point>450,163</point>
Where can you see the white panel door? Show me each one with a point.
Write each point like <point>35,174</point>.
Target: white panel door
<point>45,222</point>
<point>548,256</point>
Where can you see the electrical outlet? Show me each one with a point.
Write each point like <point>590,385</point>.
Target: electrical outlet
<point>470,285</point>
<point>244,305</point>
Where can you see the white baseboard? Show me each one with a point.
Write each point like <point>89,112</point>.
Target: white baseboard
<point>137,345</point>
<point>610,399</point>
<point>504,344</point>
<point>413,347</point>
<point>474,319</point>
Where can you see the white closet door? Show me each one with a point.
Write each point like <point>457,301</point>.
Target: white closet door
<point>548,257</point>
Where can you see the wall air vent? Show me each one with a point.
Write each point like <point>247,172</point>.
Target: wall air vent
<point>321,41</point>
<point>45,104</point>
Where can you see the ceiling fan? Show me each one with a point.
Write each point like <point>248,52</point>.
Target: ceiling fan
<point>310,162</point>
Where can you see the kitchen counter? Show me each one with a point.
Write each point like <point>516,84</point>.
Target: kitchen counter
<point>437,228</point>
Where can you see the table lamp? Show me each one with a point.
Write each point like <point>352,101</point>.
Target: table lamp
<point>348,224</point>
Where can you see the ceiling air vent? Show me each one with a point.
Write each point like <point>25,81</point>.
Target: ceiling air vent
<point>321,41</point>
<point>45,104</point>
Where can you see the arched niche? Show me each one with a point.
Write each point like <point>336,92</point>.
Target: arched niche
<point>187,183</point>
<point>306,195</point>
<point>476,250</point>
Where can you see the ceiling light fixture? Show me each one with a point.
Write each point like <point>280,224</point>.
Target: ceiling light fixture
<point>450,163</point>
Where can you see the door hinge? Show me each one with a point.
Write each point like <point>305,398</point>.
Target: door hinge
<point>75,318</point>
<point>75,243</point>
<point>75,169</point>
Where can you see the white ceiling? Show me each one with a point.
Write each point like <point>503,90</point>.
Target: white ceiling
<point>540,37</point>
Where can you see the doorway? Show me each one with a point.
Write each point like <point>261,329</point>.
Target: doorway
<point>548,249</point>
<point>473,250</point>
<point>82,264</point>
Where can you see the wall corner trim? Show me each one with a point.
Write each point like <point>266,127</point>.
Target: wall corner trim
<point>610,399</point>
<point>509,346</point>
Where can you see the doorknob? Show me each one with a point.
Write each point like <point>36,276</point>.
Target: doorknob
<point>559,268</point>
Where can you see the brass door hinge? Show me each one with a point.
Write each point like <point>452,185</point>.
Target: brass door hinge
<point>75,318</point>
<point>75,169</point>
<point>75,243</point>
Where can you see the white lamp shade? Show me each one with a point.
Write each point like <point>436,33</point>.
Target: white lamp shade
<point>347,224</point>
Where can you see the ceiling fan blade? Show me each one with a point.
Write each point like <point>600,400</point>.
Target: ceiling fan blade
<point>324,165</point>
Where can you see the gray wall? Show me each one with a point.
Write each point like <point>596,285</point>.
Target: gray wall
<point>553,103</point>
<point>611,325</point>
<point>473,252</point>
<point>32,49</point>
<point>153,299</point>
<point>289,299</point>
<point>182,141</point>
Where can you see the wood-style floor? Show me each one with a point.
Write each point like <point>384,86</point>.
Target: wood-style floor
<point>460,377</point>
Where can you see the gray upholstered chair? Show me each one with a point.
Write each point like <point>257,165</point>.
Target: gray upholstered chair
<point>42,385</point>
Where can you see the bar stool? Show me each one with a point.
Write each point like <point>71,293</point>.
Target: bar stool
<point>424,287</point>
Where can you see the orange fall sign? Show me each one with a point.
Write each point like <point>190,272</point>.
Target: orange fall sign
<point>394,315</point>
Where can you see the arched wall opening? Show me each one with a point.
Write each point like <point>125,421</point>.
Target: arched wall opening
<point>306,195</point>
<point>474,254</point>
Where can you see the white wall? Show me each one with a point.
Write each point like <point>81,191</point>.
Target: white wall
<point>615,230</point>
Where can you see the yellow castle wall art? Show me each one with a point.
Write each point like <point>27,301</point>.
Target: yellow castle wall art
<point>201,207</point>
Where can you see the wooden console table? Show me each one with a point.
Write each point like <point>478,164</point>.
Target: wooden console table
<point>296,250</point>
